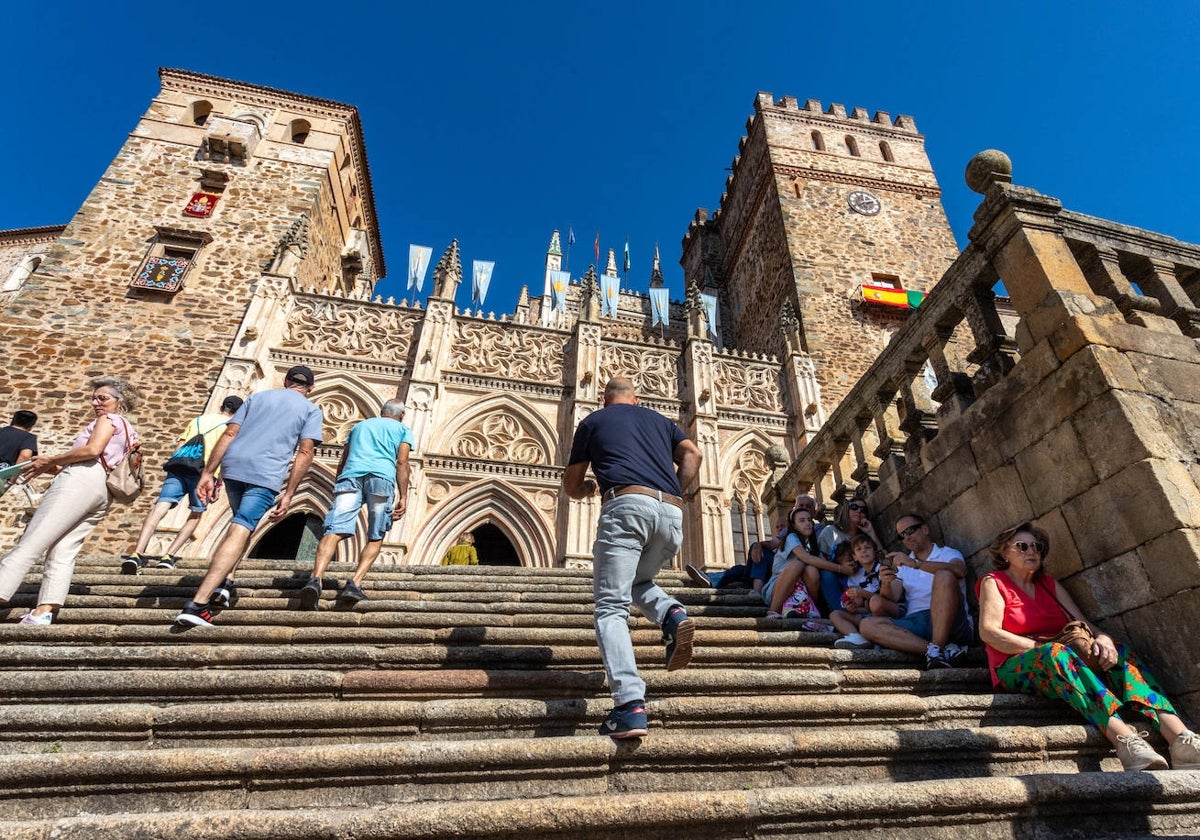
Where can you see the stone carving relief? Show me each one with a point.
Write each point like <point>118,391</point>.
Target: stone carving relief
<point>499,437</point>
<point>654,372</point>
<point>238,376</point>
<point>750,474</point>
<point>437,491</point>
<point>341,412</point>
<point>340,327</point>
<point>743,385</point>
<point>706,433</point>
<point>491,350</point>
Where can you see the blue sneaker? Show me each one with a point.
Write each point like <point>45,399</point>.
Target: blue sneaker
<point>677,630</point>
<point>626,721</point>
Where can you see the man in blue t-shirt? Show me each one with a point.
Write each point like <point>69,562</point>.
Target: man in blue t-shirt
<point>373,471</point>
<point>642,461</point>
<point>253,454</point>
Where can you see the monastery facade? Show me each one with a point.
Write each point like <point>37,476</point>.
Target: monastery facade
<point>234,235</point>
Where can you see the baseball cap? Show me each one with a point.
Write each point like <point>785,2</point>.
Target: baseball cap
<point>231,404</point>
<point>301,374</point>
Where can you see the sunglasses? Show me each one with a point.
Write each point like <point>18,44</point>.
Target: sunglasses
<point>910,530</point>
<point>856,506</point>
<point>1025,547</point>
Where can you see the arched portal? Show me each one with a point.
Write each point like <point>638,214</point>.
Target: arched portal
<point>295,538</point>
<point>498,507</point>
<point>493,547</point>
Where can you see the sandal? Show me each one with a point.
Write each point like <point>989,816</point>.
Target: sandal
<point>774,615</point>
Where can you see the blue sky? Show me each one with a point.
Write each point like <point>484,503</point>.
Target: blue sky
<point>496,123</point>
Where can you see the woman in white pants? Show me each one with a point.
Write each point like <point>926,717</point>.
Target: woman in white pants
<point>76,501</point>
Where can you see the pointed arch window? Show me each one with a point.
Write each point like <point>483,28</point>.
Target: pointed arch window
<point>885,151</point>
<point>852,146</point>
<point>818,141</point>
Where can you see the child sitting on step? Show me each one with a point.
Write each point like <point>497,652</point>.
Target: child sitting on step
<point>861,597</point>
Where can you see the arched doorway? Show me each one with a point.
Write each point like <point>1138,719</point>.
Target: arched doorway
<point>493,547</point>
<point>295,538</point>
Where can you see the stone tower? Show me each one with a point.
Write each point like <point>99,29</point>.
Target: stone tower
<point>169,272</point>
<point>820,203</point>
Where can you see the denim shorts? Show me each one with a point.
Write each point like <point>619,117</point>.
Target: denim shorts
<point>350,494</point>
<point>921,623</point>
<point>249,502</point>
<point>176,486</point>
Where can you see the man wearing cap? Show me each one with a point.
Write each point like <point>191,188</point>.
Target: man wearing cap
<point>373,472</point>
<point>253,455</point>
<point>181,482</point>
<point>642,461</point>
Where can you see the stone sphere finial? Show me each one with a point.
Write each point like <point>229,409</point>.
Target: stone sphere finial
<point>989,167</point>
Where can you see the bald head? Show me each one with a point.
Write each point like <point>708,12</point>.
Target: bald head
<point>619,390</point>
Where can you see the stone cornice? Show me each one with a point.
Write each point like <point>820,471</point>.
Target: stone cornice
<point>843,124</point>
<point>857,180</point>
<point>327,108</point>
<point>452,467</point>
<point>31,235</point>
<point>492,384</point>
<point>341,363</point>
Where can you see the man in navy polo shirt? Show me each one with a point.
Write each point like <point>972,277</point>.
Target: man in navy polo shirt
<point>642,461</point>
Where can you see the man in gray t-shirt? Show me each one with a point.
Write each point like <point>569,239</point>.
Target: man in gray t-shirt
<point>253,454</point>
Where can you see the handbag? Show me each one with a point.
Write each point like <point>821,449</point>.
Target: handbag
<point>189,459</point>
<point>1078,636</point>
<point>125,479</point>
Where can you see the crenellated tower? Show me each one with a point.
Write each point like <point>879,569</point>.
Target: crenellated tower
<point>819,203</point>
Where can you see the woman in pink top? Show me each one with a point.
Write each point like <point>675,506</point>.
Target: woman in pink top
<point>75,502</point>
<point>1020,606</point>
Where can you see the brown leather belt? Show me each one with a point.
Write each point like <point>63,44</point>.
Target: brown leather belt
<point>613,492</point>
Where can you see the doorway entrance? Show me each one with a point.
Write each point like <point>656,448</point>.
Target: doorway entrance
<point>295,538</point>
<point>493,547</point>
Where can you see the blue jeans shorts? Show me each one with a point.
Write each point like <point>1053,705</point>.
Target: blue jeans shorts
<point>249,502</point>
<point>921,623</point>
<point>176,486</point>
<point>350,494</point>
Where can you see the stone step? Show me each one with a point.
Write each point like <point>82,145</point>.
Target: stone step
<point>38,728</point>
<point>1047,806</point>
<point>130,684</point>
<point>360,775</point>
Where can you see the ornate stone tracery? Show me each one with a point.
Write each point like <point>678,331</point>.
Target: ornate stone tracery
<point>741,384</point>
<point>340,327</point>
<point>654,372</point>
<point>484,348</point>
<point>751,473</point>
<point>499,437</point>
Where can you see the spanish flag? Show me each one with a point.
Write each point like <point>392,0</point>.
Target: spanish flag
<point>889,296</point>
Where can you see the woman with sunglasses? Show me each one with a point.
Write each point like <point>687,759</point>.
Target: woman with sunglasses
<point>850,520</point>
<point>75,502</point>
<point>1020,606</point>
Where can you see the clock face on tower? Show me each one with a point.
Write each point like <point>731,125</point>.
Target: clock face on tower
<point>863,202</point>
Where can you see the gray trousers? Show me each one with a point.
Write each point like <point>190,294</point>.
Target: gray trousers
<point>75,503</point>
<point>635,537</point>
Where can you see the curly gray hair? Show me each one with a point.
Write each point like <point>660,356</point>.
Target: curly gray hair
<point>127,395</point>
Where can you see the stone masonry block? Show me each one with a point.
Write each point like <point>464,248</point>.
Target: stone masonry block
<point>1159,633</point>
<point>1168,378</point>
<point>1051,401</point>
<point>971,521</point>
<point>1054,469</point>
<point>1119,428</point>
<point>1082,332</point>
<point>1140,503</point>
<point>1063,559</point>
<point>1172,562</point>
<point>950,478</point>
<point>1113,587</point>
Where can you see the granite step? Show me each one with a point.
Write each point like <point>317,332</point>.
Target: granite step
<point>1043,805</point>
<point>41,727</point>
<point>362,775</point>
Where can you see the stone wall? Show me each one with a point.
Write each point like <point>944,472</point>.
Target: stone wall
<point>1083,419</point>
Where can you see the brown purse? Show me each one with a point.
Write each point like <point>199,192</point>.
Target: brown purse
<point>1076,635</point>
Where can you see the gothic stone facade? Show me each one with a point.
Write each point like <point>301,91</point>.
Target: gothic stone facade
<point>278,266</point>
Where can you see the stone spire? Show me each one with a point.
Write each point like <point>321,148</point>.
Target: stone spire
<point>656,277</point>
<point>447,274</point>
<point>611,267</point>
<point>589,301</point>
<point>555,244</point>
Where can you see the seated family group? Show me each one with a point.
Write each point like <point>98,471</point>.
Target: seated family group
<point>1036,639</point>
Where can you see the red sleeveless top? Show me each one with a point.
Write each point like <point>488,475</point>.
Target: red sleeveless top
<point>1040,615</point>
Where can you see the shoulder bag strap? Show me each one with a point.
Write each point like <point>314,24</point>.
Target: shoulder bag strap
<point>1054,595</point>
<point>128,445</point>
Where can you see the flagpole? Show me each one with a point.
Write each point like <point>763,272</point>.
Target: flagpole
<point>570,238</point>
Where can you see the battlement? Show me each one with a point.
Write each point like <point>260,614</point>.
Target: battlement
<point>834,113</point>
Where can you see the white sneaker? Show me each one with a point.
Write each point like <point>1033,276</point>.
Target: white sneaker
<point>954,653</point>
<point>852,640</point>
<point>39,620</point>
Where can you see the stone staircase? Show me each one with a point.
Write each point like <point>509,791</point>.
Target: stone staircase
<point>464,702</point>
